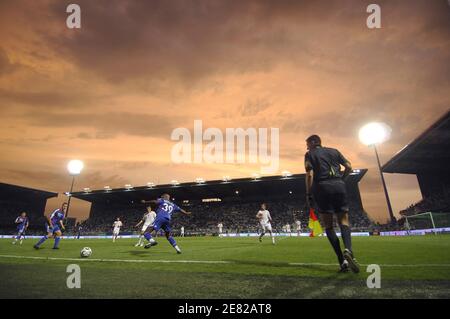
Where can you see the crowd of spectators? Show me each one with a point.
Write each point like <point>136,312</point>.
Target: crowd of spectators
<point>439,202</point>
<point>236,217</point>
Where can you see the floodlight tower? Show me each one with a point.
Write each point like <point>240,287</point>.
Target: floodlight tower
<point>372,134</point>
<point>74,167</point>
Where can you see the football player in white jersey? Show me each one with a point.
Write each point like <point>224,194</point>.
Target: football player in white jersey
<point>147,220</point>
<point>265,220</point>
<point>288,229</point>
<point>298,226</point>
<point>220,226</point>
<point>182,231</point>
<point>117,224</point>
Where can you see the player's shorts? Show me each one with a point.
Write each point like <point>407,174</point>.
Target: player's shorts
<point>20,230</point>
<point>265,227</point>
<point>145,226</point>
<point>53,229</point>
<point>116,232</point>
<point>331,196</point>
<point>162,223</point>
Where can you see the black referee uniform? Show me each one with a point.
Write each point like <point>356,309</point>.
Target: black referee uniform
<point>328,189</point>
<point>330,194</point>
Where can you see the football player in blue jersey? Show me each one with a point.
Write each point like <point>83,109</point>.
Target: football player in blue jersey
<point>54,226</point>
<point>164,211</point>
<point>22,223</point>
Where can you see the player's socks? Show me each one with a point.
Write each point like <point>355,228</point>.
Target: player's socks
<point>151,241</point>
<point>139,241</point>
<point>172,241</point>
<point>41,241</point>
<point>148,236</point>
<point>334,241</point>
<point>346,236</point>
<point>57,239</point>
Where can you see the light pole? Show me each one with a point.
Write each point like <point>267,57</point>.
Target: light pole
<point>372,134</point>
<point>74,167</point>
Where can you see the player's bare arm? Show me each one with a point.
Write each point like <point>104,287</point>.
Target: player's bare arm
<point>185,212</point>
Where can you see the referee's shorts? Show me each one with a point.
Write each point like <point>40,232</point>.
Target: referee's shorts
<point>330,196</point>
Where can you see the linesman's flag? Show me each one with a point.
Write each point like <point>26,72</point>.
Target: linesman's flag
<point>314,224</point>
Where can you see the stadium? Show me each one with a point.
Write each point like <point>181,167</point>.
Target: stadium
<point>427,157</point>
<point>231,202</point>
<point>233,264</point>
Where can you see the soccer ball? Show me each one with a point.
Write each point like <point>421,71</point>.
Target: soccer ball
<point>85,252</point>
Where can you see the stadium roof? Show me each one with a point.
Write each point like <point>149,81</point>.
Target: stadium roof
<point>11,192</point>
<point>270,186</point>
<point>430,151</point>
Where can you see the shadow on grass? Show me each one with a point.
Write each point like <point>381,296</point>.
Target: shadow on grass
<point>137,252</point>
<point>328,270</point>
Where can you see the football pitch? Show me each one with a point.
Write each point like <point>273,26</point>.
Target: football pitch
<point>212,267</point>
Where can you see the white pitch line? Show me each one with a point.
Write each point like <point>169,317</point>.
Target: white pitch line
<point>121,260</point>
<point>381,265</point>
<point>203,261</point>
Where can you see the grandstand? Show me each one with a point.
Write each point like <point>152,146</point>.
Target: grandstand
<point>427,157</point>
<point>232,202</point>
<point>16,199</point>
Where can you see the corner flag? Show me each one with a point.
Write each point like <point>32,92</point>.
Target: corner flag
<point>314,224</point>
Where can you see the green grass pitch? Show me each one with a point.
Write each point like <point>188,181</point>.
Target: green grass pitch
<point>211,267</point>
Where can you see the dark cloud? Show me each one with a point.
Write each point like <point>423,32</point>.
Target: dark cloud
<point>6,66</point>
<point>109,124</point>
<point>188,40</point>
<point>96,136</point>
<point>253,107</point>
<point>31,99</point>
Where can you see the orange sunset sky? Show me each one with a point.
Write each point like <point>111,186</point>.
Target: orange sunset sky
<point>111,92</point>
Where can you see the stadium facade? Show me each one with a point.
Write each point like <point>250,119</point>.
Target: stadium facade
<point>16,199</point>
<point>216,200</point>
<point>427,157</point>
